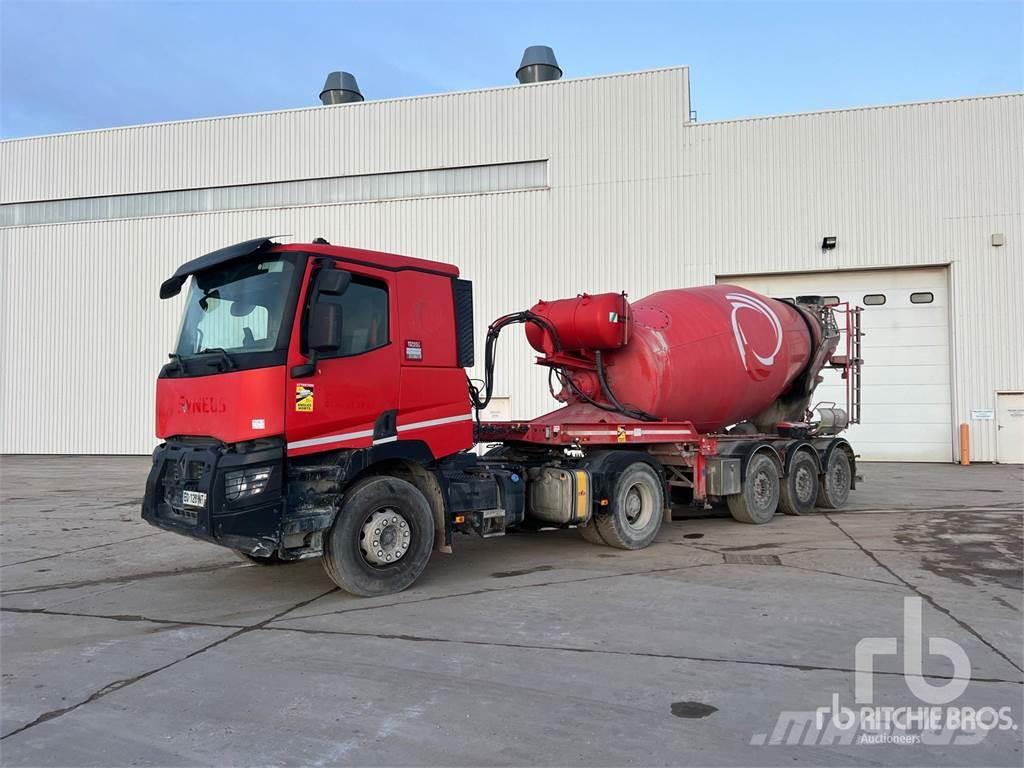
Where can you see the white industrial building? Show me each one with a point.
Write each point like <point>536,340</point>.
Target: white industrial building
<point>536,191</point>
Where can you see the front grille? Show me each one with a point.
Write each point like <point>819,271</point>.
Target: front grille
<point>178,476</point>
<point>177,510</point>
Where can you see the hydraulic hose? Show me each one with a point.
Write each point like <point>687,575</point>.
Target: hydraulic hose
<point>481,395</point>
<point>633,413</point>
<point>567,380</point>
<point>480,399</point>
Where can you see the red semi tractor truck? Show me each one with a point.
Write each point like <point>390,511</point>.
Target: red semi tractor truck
<point>317,405</point>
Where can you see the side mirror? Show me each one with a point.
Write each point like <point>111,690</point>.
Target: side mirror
<point>324,332</point>
<point>333,282</point>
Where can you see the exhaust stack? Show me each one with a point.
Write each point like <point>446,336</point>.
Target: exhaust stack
<point>340,88</point>
<point>539,65</point>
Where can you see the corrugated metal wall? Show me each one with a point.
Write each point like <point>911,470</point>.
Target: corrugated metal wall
<point>905,185</point>
<point>82,323</point>
<point>637,200</point>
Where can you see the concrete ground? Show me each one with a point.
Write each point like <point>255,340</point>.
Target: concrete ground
<point>123,645</point>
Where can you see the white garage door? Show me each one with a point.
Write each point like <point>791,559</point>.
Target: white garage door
<point>906,376</point>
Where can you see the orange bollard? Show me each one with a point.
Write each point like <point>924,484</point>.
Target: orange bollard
<point>965,445</point>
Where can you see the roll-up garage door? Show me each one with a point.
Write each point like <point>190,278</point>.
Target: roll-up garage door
<point>906,375</point>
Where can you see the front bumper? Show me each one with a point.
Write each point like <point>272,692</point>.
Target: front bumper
<point>253,525</point>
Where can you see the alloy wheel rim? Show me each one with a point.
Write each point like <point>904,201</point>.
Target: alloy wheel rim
<point>385,537</point>
<point>839,479</point>
<point>637,506</point>
<point>804,484</point>
<point>762,489</point>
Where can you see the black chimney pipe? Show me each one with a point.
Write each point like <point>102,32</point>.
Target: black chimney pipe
<point>340,88</point>
<point>538,65</point>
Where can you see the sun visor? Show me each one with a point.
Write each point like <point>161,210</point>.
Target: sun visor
<point>172,285</point>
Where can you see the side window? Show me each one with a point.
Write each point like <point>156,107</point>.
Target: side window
<point>364,317</point>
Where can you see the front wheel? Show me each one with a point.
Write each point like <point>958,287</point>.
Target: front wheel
<point>381,538</point>
<point>637,503</point>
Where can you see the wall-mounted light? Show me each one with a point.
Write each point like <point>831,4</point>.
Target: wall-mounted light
<point>828,243</point>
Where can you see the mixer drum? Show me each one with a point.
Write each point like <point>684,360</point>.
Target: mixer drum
<point>715,355</point>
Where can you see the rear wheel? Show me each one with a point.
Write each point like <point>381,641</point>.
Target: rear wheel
<point>835,483</point>
<point>635,511</point>
<point>381,539</point>
<point>590,533</point>
<point>759,499</point>
<point>800,486</point>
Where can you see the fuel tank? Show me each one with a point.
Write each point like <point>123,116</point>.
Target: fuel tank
<point>714,356</point>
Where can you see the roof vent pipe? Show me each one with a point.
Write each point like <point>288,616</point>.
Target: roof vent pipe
<point>538,65</point>
<point>340,88</point>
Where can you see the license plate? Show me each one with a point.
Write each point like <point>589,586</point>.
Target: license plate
<point>193,499</point>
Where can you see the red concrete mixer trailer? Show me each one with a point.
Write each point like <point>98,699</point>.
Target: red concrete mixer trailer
<point>317,404</point>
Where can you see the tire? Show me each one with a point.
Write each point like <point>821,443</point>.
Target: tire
<point>390,502</point>
<point>799,492</point>
<point>834,486</point>
<point>273,559</point>
<point>759,499</point>
<point>590,533</point>
<point>635,513</point>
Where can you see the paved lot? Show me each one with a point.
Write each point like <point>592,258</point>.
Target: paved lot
<point>123,645</point>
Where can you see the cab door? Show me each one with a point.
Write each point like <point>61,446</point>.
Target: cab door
<point>354,387</point>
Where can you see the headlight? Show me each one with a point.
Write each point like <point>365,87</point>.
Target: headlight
<point>245,483</point>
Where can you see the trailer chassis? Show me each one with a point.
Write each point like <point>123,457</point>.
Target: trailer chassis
<point>712,466</point>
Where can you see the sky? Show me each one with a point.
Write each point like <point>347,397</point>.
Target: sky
<point>69,66</point>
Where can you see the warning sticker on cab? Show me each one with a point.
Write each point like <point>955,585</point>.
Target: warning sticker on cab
<point>304,398</point>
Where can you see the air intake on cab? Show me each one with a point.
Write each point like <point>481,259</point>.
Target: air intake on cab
<point>538,65</point>
<point>340,88</point>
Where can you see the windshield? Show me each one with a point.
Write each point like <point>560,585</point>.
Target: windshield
<point>239,308</point>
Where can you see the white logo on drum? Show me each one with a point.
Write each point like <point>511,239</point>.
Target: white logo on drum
<point>741,301</point>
